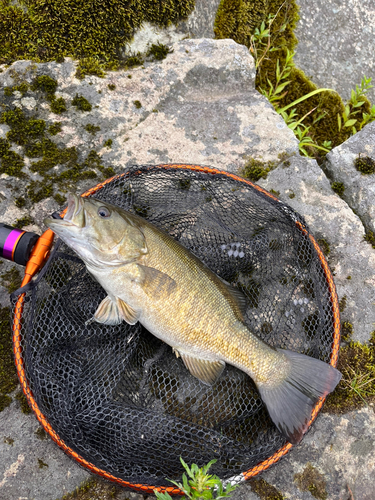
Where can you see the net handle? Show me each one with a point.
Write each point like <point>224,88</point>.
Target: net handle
<point>38,258</point>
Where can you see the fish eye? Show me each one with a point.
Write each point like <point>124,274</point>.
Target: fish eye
<point>104,212</point>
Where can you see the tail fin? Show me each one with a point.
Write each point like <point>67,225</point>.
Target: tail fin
<point>290,403</point>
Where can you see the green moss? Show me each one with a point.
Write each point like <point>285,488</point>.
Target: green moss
<point>8,440</point>
<point>313,481</point>
<point>292,195</point>
<point>111,86</point>
<point>8,374</point>
<point>23,88</point>
<point>357,365</point>
<point>107,172</point>
<point>158,51</point>
<point>92,129</point>
<point>137,104</point>
<point>59,198</point>
<point>346,331</point>
<point>324,245</point>
<point>20,202</point>
<point>58,105</point>
<point>338,187</point>
<point>25,221</point>
<point>5,401</point>
<point>342,303</point>
<point>370,238</point>
<point>11,164</point>
<point>237,19</point>
<point>274,192</point>
<point>38,191</point>
<point>95,489</point>
<point>24,405</point>
<point>81,103</point>
<point>55,128</point>
<point>108,143</point>
<point>365,165</point>
<point>46,84</point>
<point>256,169</point>
<point>11,280</point>
<point>41,433</point>
<point>133,61</point>
<point>265,490</point>
<point>89,66</point>
<point>22,128</point>
<point>92,31</point>
<point>41,464</point>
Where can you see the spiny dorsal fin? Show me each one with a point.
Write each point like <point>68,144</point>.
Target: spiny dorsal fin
<point>112,312</point>
<point>156,284</point>
<point>204,370</point>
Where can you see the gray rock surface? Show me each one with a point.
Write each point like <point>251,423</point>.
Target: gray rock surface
<point>207,113</point>
<point>359,188</point>
<point>336,43</point>
<point>330,218</point>
<point>341,449</point>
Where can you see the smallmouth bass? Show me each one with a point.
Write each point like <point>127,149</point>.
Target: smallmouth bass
<point>151,278</point>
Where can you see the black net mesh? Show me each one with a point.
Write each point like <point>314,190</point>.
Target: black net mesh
<point>118,396</point>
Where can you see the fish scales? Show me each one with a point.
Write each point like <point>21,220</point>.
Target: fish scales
<point>151,278</point>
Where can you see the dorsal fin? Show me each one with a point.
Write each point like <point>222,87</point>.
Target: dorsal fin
<point>236,294</point>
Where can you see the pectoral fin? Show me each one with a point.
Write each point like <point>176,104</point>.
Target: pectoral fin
<point>156,284</point>
<point>204,370</point>
<point>113,311</point>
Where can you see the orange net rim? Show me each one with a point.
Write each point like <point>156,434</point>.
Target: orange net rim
<point>38,258</point>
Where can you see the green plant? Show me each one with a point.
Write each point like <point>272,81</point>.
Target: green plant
<point>260,40</point>
<point>355,116</point>
<point>276,92</point>
<point>200,485</point>
<point>270,39</point>
<point>361,383</point>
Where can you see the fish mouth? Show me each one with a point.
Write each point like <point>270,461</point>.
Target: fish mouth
<point>74,216</point>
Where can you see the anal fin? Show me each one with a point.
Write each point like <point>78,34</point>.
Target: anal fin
<point>203,369</point>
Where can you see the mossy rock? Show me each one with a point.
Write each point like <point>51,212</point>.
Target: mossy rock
<point>238,20</point>
<point>91,31</point>
<point>357,386</point>
<point>8,374</point>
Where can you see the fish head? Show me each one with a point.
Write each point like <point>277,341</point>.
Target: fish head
<point>100,233</point>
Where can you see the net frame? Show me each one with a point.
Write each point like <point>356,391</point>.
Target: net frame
<point>39,257</point>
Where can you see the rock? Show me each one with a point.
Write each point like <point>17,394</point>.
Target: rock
<point>336,43</point>
<point>341,450</point>
<point>359,187</point>
<point>199,24</point>
<point>32,466</point>
<point>199,106</point>
<point>304,186</point>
